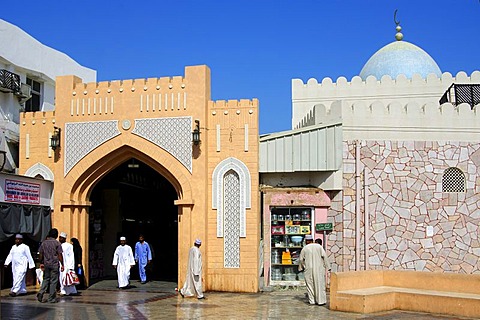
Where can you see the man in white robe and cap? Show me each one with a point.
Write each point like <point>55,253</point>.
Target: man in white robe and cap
<point>21,260</point>
<point>314,263</point>
<point>68,265</point>
<point>123,261</point>
<point>193,282</point>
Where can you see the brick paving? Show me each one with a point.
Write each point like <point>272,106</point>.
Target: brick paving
<point>159,300</point>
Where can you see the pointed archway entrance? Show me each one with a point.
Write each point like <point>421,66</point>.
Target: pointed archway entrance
<point>130,200</point>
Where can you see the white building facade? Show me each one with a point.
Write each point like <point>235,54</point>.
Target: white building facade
<point>28,70</point>
<point>27,83</point>
<point>406,192</point>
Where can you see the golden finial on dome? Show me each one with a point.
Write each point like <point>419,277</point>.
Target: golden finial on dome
<point>398,35</point>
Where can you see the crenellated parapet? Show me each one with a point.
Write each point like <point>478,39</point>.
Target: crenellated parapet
<point>37,116</point>
<point>233,113</point>
<point>152,95</point>
<point>227,105</point>
<point>233,125</point>
<point>147,97</point>
<point>421,91</point>
<point>396,121</point>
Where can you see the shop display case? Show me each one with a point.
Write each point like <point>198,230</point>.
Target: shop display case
<point>288,229</point>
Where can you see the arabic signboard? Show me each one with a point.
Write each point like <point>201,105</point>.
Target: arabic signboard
<point>324,227</point>
<point>22,192</point>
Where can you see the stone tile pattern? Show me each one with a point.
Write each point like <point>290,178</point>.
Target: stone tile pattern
<point>405,196</point>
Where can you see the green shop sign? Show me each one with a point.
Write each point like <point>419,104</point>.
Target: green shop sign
<point>324,227</point>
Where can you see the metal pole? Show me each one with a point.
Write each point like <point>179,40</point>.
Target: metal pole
<point>366,218</point>
<point>357,205</point>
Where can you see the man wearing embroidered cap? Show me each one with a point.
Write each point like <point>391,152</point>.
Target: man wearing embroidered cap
<point>21,260</point>
<point>123,261</point>
<point>193,282</point>
<point>314,262</point>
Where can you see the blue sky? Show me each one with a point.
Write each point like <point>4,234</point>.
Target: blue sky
<point>253,48</point>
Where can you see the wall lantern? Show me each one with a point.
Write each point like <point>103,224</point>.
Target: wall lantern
<point>55,139</point>
<point>196,133</point>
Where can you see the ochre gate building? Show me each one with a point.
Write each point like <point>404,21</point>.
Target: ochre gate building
<point>126,164</point>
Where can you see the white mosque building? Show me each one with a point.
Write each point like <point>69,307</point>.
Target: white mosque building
<point>397,151</point>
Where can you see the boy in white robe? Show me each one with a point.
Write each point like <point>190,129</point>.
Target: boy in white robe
<point>314,262</point>
<point>123,261</point>
<point>21,260</point>
<point>68,264</point>
<point>39,273</point>
<point>193,282</point>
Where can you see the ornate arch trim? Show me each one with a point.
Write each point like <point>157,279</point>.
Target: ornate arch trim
<point>218,192</point>
<point>40,169</point>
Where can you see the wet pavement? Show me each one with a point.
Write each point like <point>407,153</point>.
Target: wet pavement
<point>159,300</point>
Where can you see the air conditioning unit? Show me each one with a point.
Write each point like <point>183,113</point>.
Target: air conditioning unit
<point>25,93</point>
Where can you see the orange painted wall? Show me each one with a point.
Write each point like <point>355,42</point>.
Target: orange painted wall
<point>168,97</point>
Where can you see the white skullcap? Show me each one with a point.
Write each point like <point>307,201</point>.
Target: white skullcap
<point>123,238</point>
<point>63,235</point>
<point>18,236</point>
<point>198,241</point>
<point>308,237</point>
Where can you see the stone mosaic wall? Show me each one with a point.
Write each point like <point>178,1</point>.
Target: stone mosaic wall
<point>405,197</point>
<point>337,252</point>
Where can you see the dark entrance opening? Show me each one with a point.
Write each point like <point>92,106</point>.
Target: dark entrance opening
<point>130,200</point>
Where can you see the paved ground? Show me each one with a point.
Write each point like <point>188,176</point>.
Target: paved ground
<point>159,300</point>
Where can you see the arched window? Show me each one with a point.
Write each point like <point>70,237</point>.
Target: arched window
<point>40,170</point>
<point>453,180</point>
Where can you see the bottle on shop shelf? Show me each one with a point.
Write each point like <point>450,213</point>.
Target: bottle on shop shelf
<point>286,240</point>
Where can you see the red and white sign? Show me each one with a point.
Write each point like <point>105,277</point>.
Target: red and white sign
<point>22,192</point>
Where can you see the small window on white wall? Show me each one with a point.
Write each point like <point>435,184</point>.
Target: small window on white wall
<point>453,180</point>
<point>35,102</point>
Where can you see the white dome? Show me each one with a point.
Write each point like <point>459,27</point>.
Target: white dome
<point>400,57</point>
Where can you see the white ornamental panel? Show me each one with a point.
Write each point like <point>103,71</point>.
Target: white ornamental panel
<point>174,135</point>
<point>83,137</point>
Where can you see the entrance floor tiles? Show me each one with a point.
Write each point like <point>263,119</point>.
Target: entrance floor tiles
<point>159,300</point>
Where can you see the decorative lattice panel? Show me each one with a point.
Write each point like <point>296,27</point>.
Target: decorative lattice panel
<point>231,220</point>
<point>174,135</point>
<point>83,137</point>
<point>453,180</point>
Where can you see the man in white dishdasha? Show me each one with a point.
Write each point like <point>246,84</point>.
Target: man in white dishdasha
<point>68,263</point>
<point>193,282</point>
<point>21,260</point>
<point>314,262</point>
<point>123,261</point>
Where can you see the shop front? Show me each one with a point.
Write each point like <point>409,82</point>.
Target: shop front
<point>289,214</point>
<point>24,209</point>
